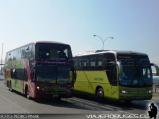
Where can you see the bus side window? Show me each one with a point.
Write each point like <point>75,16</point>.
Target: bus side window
<point>75,63</point>
<point>21,74</point>
<point>100,62</point>
<point>111,69</point>
<point>85,63</point>
<point>92,61</point>
<point>80,64</point>
<point>62,54</point>
<point>13,74</point>
<point>92,64</point>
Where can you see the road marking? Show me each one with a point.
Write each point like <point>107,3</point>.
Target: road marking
<point>94,104</point>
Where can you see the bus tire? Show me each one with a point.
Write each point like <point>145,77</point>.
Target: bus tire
<point>27,92</point>
<point>99,93</point>
<point>10,86</point>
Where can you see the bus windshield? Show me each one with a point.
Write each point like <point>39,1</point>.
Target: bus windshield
<point>52,73</point>
<point>135,70</point>
<point>50,51</point>
<point>55,68</point>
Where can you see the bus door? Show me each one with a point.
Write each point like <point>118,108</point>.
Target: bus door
<point>82,82</point>
<point>111,71</point>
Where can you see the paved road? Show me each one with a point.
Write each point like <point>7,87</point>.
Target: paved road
<point>79,107</point>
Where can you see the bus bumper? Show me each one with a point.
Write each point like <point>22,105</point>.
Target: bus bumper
<point>54,94</point>
<point>135,97</point>
<point>135,93</point>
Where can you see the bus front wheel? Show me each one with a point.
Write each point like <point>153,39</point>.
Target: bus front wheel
<point>27,92</point>
<point>99,93</point>
<point>10,86</point>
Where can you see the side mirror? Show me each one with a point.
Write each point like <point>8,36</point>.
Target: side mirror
<point>155,69</point>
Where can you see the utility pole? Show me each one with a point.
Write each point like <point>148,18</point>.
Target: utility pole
<point>2,59</point>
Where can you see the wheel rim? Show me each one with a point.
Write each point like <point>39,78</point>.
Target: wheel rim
<point>100,93</point>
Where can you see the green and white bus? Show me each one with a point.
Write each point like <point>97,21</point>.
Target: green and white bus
<point>118,75</point>
<point>40,69</point>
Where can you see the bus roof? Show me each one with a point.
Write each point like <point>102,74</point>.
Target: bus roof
<point>54,42</point>
<point>108,51</point>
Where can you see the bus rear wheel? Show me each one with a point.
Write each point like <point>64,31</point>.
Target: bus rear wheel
<point>99,94</point>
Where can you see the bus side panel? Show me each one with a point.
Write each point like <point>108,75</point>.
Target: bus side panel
<point>114,92</point>
<point>95,79</point>
<point>88,81</point>
<point>81,83</point>
<point>17,85</point>
<point>99,79</point>
<point>136,93</point>
<point>7,76</point>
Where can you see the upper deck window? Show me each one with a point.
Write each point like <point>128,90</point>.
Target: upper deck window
<point>50,51</point>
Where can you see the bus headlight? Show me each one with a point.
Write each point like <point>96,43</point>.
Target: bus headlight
<point>124,92</point>
<point>150,91</point>
<point>38,87</point>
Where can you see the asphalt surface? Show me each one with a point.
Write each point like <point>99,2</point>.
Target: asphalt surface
<point>77,107</point>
